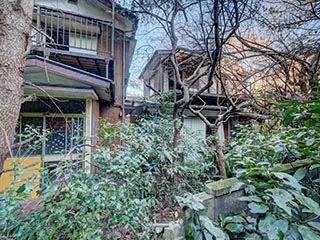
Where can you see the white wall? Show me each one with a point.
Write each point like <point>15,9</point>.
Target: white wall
<point>88,42</point>
<point>195,125</point>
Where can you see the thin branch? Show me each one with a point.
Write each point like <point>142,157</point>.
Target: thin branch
<point>24,167</point>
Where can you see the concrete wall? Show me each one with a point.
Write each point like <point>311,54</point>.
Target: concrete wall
<point>7,178</point>
<point>218,199</point>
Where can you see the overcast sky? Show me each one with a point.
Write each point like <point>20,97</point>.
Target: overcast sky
<point>149,38</point>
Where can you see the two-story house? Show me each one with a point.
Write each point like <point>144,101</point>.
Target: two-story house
<point>158,75</point>
<point>78,71</point>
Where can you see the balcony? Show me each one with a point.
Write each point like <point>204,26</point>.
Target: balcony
<point>81,42</point>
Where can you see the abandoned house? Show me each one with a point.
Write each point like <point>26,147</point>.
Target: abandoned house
<point>158,75</point>
<point>78,71</point>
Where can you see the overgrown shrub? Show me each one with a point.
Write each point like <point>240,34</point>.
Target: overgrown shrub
<point>280,207</point>
<point>135,169</point>
<point>147,161</point>
<point>250,152</point>
<point>77,206</point>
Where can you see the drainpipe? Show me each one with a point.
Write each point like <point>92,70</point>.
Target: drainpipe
<point>38,25</point>
<point>113,29</point>
<point>124,75</point>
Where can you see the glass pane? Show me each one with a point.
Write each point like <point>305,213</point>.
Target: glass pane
<point>28,125</point>
<point>57,135</point>
<point>65,135</point>
<point>75,135</point>
<point>48,106</point>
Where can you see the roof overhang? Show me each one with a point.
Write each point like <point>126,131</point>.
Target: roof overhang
<point>59,78</point>
<point>60,92</point>
<point>154,63</point>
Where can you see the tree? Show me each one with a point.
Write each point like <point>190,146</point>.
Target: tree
<point>15,22</point>
<point>206,26</point>
<point>282,42</point>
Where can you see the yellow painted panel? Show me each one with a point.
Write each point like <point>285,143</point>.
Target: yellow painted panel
<point>6,178</point>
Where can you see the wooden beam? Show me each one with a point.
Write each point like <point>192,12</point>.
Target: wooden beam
<point>79,63</point>
<point>58,57</point>
<point>209,107</point>
<point>98,68</point>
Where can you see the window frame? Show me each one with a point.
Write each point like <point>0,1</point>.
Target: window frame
<point>52,157</point>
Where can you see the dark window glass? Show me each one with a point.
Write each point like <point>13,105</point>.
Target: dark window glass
<point>65,134</point>
<point>48,106</point>
<point>28,127</point>
<point>74,135</point>
<point>56,139</point>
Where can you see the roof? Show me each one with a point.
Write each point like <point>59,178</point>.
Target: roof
<point>154,61</point>
<point>188,58</point>
<point>65,80</point>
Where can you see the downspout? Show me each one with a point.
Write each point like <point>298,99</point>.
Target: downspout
<point>111,60</point>
<point>113,29</point>
<point>124,75</point>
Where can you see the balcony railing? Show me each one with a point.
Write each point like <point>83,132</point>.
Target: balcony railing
<point>66,31</point>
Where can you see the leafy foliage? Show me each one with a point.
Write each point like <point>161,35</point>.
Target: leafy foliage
<point>252,152</point>
<point>147,161</point>
<point>79,206</point>
<point>199,226</point>
<point>115,202</point>
<point>280,205</point>
<point>302,113</point>
<point>284,208</point>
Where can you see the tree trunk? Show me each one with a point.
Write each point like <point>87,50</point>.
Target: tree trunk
<point>15,22</point>
<point>176,133</point>
<point>220,154</point>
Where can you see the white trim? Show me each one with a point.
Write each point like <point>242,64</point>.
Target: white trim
<point>54,157</point>
<point>88,134</point>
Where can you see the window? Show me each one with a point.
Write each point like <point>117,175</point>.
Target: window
<point>62,134</point>
<point>65,134</point>
<point>48,106</point>
<point>73,1</point>
<point>83,43</point>
<point>25,129</point>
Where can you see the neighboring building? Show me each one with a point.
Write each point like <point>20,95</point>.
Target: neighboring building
<point>78,70</point>
<point>158,75</point>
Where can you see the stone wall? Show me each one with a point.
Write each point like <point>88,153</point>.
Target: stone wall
<point>222,197</point>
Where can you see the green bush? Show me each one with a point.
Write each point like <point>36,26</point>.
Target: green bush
<point>280,207</point>
<point>147,161</point>
<point>136,169</point>
<point>251,152</point>
<point>78,206</point>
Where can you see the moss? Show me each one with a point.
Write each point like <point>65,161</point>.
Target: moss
<point>221,187</point>
<point>292,167</point>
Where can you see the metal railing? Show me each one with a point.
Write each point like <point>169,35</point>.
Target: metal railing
<point>71,32</point>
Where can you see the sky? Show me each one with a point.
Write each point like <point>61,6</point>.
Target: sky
<point>149,38</point>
